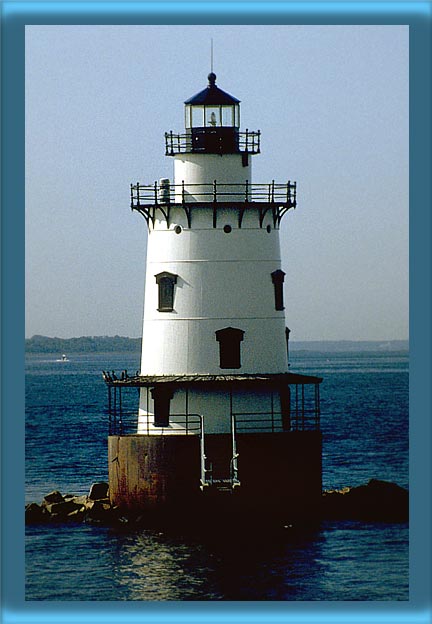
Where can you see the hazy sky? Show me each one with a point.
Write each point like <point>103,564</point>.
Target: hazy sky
<point>332,105</point>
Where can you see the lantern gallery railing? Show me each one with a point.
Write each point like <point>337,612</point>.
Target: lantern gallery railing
<point>162,195</point>
<point>206,141</point>
<point>163,192</point>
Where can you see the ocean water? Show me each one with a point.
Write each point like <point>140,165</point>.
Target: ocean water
<point>364,405</point>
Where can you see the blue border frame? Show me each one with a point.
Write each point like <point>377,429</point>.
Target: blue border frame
<point>15,15</point>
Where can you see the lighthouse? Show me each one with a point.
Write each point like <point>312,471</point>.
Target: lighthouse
<point>221,417</point>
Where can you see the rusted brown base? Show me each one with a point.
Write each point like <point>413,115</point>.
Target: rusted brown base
<point>280,473</point>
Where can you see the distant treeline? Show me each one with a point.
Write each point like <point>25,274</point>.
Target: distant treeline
<point>349,345</point>
<point>43,344</point>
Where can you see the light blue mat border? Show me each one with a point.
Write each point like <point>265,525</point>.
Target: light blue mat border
<point>15,15</point>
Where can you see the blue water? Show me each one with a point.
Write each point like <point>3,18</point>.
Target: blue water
<point>364,401</point>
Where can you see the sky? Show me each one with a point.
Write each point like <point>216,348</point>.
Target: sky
<point>332,106</point>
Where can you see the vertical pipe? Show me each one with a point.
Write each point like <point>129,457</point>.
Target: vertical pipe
<point>115,409</point>
<point>120,411</point>
<point>148,426</point>
<point>303,413</point>
<point>272,411</point>
<point>287,335</point>
<point>109,411</point>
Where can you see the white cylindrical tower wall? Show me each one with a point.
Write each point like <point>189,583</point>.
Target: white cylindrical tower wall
<point>199,171</point>
<point>223,279</point>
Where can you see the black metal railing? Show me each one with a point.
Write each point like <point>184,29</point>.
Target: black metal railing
<point>180,424</point>
<point>165,193</point>
<point>276,422</point>
<point>247,142</point>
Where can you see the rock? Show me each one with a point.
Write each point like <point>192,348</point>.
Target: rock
<point>80,500</point>
<point>53,497</point>
<point>99,512</point>
<point>375,501</point>
<point>34,513</point>
<point>98,490</point>
<point>62,509</point>
<point>77,515</point>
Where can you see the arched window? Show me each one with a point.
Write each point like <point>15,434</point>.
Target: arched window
<point>229,340</point>
<point>278,280</point>
<point>166,282</point>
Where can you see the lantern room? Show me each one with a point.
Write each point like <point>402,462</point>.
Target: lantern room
<point>212,108</point>
<point>212,124</point>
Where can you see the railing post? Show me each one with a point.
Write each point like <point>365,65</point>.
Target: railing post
<point>109,411</point>
<point>120,411</point>
<point>115,411</point>
<point>272,191</point>
<point>214,191</point>
<point>171,143</point>
<point>288,198</point>
<point>155,193</point>
<point>303,412</point>
<point>247,191</point>
<point>183,192</point>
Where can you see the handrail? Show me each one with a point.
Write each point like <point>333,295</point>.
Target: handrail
<point>252,422</point>
<point>178,143</point>
<point>233,463</point>
<point>206,473</point>
<point>166,193</point>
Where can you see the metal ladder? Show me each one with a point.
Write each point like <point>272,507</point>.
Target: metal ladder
<point>207,482</point>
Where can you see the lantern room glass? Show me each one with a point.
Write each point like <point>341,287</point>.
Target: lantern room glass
<point>199,116</point>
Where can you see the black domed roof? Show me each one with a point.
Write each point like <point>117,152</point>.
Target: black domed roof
<point>212,94</point>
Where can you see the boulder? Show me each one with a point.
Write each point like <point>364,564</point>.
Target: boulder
<point>53,497</point>
<point>62,509</point>
<point>34,513</point>
<point>98,491</point>
<point>377,500</point>
<point>80,500</point>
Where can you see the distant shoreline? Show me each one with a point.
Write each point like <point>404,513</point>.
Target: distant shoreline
<point>89,344</point>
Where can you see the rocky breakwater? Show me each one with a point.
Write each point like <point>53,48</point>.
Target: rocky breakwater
<point>92,508</point>
<point>375,501</point>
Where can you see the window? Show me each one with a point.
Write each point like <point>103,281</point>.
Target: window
<point>166,282</point>
<point>278,280</point>
<point>229,340</point>
<point>162,397</point>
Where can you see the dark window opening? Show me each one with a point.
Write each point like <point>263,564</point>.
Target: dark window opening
<point>229,340</point>
<point>278,280</point>
<point>165,282</point>
<point>162,399</point>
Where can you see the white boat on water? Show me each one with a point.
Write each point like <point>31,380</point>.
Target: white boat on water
<point>63,359</point>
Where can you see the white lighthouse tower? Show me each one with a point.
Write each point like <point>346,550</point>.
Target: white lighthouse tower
<point>218,409</point>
